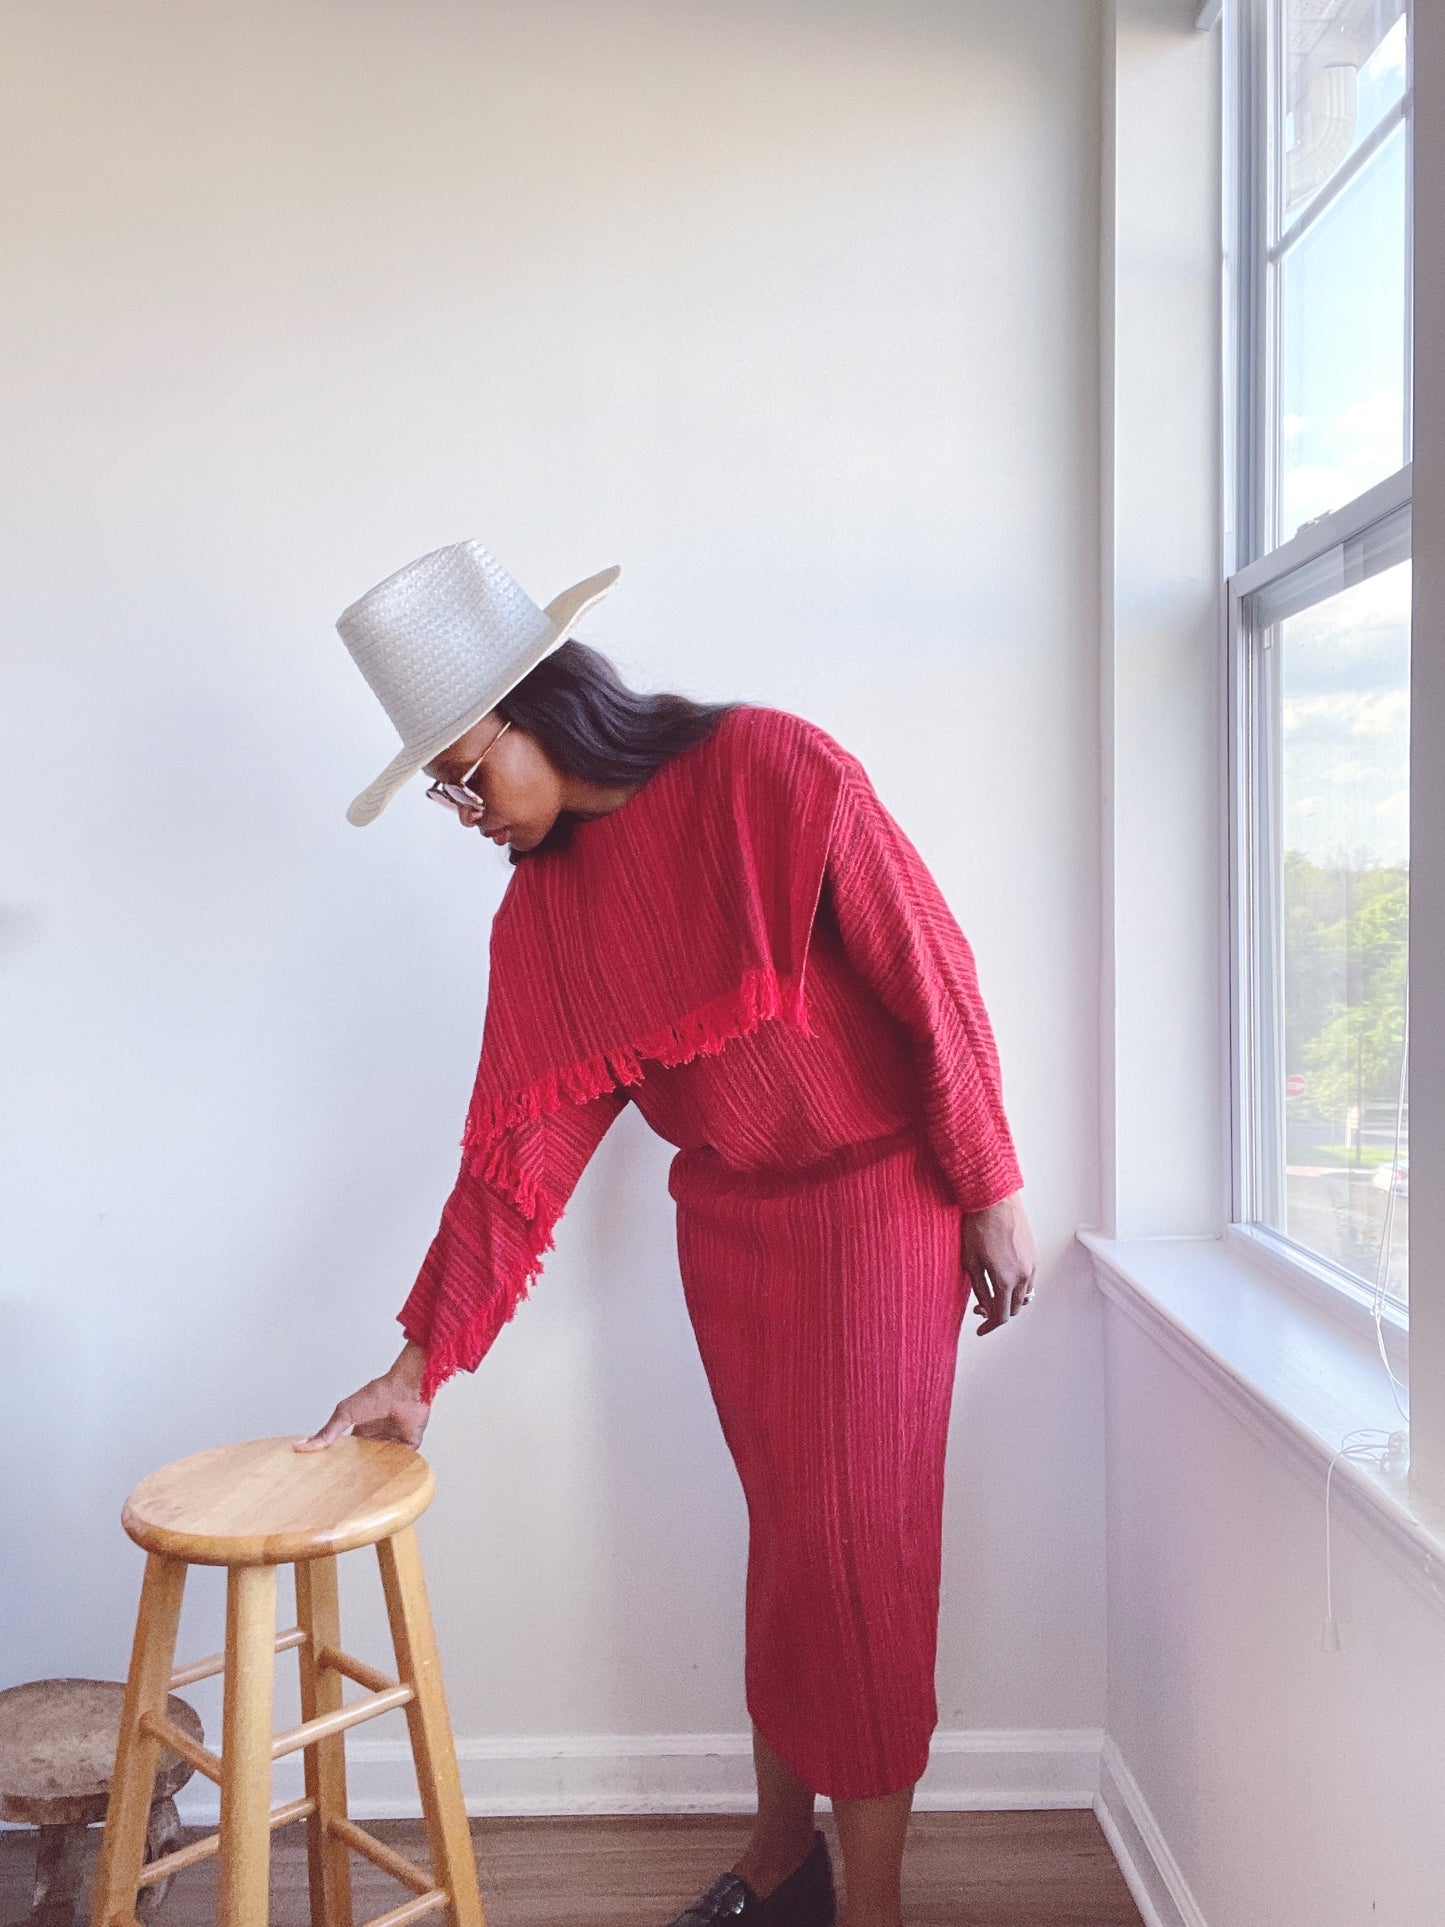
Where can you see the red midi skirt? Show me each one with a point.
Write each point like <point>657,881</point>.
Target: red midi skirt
<point>827,1305</point>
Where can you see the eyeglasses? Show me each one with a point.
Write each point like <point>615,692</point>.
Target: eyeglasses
<point>460,796</point>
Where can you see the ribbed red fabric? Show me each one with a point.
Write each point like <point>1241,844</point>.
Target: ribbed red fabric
<point>753,951</point>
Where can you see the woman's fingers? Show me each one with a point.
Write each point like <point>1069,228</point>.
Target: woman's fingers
<point>392,1427</point>
<point>351,1414</point>
<point>999,1298</point>
<point>396,1428</point>
<point>384,1409</point>
<point>1021,1290</point>
<point>999,1256</point>
<point>986,1302</point>
<point>333,1428</point>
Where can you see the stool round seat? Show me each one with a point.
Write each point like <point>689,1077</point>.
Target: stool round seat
<point>262,1503</point>
<point>57,1748</point>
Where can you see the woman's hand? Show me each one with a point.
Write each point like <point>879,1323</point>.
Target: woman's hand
<point>389,1407</point>
<point>997,1250</point>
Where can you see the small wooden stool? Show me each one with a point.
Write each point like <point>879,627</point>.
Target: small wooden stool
<point>250,1508</point>
<point>57,1746</point>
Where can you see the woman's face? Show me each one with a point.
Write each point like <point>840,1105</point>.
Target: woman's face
<point>522,792</point>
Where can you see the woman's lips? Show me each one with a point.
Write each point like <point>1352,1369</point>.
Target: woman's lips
<point>498,836</point>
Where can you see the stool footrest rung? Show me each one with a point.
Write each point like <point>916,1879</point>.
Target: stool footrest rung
<point>372,1677</point>
<point>379,1854</point>
<point>169,1734</point>
<point>215,1663</point>
<point>428,1903</point>
<point>209,1845</point>
<point>325,1724</point>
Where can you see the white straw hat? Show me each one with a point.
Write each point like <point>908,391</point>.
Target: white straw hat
<point>441,642</point>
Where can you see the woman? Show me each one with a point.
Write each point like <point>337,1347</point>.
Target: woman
<point>683,873</point>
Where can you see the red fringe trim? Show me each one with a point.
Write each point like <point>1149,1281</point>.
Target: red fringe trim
<point>704,1031</point>
<point>457,1351</point>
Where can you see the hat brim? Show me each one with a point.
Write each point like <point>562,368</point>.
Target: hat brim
<point>564,612</point>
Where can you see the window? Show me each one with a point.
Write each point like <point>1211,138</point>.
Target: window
<point>1318,195</point>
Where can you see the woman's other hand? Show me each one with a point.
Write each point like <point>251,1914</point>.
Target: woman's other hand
<point>389,1407</point>
<point>997,1250</point>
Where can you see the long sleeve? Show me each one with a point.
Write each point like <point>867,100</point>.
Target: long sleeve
<point>488,1249</point>
<point>903,940</point>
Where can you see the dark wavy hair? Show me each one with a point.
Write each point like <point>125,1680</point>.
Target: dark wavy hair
<point>592,725</point>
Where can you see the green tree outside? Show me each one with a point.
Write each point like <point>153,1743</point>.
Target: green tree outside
<point>1346,936</point>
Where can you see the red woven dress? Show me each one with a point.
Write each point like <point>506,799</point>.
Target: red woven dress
<point>752,951</point>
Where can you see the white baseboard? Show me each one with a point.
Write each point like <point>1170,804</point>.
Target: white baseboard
<point>1161,1893</point>
<point>684,1773</point>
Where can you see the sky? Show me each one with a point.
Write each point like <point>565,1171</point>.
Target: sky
<point>1346,703</point>
<point>1345,663</point>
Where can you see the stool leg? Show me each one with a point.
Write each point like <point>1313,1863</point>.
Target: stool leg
<point>59,1861</point>
<point>163,1836</point>
<point>453,1864</point>
<point>132,1784</point>
<point>243,1896</point>
<point>318,1613</point>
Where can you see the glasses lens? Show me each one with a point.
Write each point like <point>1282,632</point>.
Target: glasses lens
<point>456,797</point>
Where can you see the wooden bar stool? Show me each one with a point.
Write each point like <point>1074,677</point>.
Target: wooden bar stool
<point>251,1508</point>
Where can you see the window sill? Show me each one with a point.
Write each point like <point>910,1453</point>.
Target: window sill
<point>1290,1367</point>
<point>1330,1291</point>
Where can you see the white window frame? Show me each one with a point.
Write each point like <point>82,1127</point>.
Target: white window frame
<point>1250,480</point>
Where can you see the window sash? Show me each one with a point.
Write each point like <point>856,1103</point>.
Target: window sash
<point>1261,574</point>
<point>1254,253</point>
<point>1368,535</point>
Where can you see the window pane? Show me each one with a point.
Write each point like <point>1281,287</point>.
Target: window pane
<point>1342,344</point>
<point>1344,70</point>
<point>1343,669</point>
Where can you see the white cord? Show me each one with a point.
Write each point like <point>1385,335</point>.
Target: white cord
<point>1382,1263</point>
<point>1390,1448</point>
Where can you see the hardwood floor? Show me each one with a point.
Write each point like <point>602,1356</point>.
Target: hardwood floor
<point>1044,1869</point>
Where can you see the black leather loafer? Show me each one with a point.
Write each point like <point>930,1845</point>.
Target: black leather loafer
<point>804,1899</point>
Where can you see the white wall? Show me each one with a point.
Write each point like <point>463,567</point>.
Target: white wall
<point>1292,1784</point>
<point>787,308</point>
